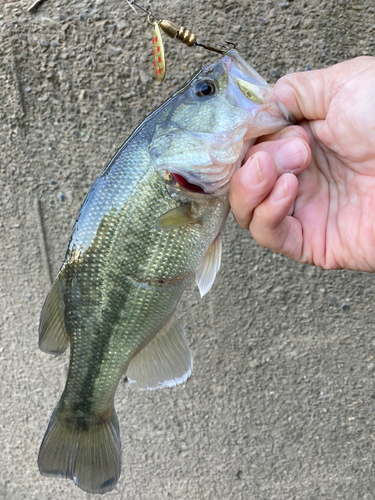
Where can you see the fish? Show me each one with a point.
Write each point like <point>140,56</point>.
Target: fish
<point>150,224</point>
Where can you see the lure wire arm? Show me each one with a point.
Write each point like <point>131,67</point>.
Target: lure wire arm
<point>131,4</point>
<point>218,50</point>
<point>208,47</point>
<point>151,16</point>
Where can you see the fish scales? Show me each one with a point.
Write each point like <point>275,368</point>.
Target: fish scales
<point>124,296</point>
<point>149,225</point>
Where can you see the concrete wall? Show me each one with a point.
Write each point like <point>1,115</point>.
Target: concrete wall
<point>281,401</point>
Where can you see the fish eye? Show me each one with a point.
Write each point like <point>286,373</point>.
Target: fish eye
<point>205,88</point>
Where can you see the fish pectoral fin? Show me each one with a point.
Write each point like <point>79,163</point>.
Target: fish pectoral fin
<point>88,453</point>
<point>53,337</point>
<point>177,217</point>
<point>206,272</point>
<point>165,361</point>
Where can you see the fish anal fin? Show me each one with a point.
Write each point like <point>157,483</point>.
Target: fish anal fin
<point>177,217</point>
<point>89,454</point>
<point>206,273</point>
<point>165,361</point>
<point>53,337</point>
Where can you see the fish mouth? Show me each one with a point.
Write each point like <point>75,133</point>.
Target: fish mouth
<point>184,183</point>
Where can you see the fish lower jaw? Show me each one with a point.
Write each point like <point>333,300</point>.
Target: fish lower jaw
<point>184,183</point>
<point>210,188</point>
<point>212,180</point>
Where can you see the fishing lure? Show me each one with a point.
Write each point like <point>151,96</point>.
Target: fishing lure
<point>173,31</point>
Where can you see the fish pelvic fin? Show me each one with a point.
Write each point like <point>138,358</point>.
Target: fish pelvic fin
<point>88,453</point>
<point>206,273</point>
<point>165,361</point>
<point>177,217</point>
<point>53,337</point>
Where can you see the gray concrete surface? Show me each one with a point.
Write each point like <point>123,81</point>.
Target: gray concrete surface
<point>281,402</point>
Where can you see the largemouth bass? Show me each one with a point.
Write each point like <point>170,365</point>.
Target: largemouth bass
<point>150,224</point>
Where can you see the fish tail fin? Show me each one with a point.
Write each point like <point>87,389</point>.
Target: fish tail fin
<point>87,452</point>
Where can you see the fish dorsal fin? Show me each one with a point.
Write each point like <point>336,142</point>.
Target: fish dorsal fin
<point>205,274</point>
<point>177,217</point>
<point>165,361</point>
<point>53,337</point>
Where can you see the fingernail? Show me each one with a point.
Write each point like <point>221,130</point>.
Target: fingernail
<point>291,155</point>
<point>252,174</point>
<point>281,190</point>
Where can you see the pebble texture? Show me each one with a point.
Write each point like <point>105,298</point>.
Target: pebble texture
<point>281,402</point>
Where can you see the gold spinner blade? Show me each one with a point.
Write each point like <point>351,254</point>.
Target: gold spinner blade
<point>158,53</point>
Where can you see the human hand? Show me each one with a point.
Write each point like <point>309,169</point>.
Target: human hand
<point>324,212</point>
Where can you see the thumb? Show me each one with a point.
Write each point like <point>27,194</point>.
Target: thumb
<point>308,94</point>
